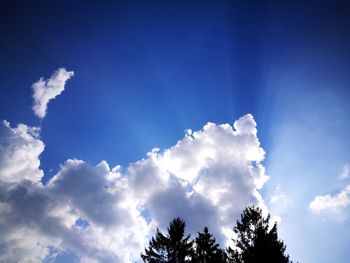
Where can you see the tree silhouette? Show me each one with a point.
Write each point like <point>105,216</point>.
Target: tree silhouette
<point>207,250</point>
<point>173,247</point>
<point>256,242</point>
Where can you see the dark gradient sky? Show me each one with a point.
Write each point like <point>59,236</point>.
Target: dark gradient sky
<point>185,61</point>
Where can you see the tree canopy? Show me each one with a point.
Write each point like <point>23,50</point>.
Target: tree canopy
<point>207,250</point>
<point>174,247</point>
<point>256,242</point>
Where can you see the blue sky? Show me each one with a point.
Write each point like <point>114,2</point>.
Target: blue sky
<point>144,72</point>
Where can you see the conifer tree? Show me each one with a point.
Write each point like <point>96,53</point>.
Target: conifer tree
<point>256,242</point>
<point>174,247</point>
<point>207,250</point>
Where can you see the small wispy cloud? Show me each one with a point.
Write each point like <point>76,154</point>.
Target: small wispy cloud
<point>345,172</point>
<point>46,90</point>
<point>277,195</point>
<point>332,205</point>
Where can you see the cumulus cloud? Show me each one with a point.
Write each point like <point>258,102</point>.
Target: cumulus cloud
<point>46,90</point>
<point>20,149</point>
<point>102,214</point>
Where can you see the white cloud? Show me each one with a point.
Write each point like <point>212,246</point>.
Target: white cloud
<point>20,149</point>
<point>333,205</point>
<point>46,90</point>
<point>207,178</point>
